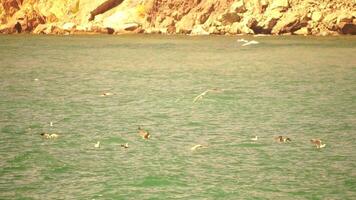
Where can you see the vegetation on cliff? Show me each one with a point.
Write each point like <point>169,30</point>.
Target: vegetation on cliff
<point>195,17</point>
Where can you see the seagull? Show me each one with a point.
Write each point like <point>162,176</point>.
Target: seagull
<point>317,143</point>
<point>97,145</point>
<point>200,96</point>
<point>250,42</point>
<point>125,145</point>
<point>196,146</point>
<point>143,133</point>
<point>246,42</point>
<point>283,139</point>
<point>106,94</point>
<point>242,40</point>
<point>255,138</point>
<point>49,136</point>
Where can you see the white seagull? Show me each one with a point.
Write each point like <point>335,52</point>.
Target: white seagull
<point>196,146</point>
<point>97,145</point>
<point>255,138</point>
<point>106,94</point>
<point>250,42</point>
<point>242,40</point>
<point>246,42</point>
<point>200,96</point>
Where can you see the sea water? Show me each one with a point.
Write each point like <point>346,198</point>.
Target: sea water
<point>299,87</point>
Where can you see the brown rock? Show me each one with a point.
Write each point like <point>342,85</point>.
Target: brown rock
<point>107,5</point>
<point>110,30</point>
<point>270,24</point>
<point>347,28</point>
<point>289,24</point>
<point>171,29</point>
<point>344,17</point>
<point>11,6</point>
<point>205,13</point>
<point>229,18</point>
<point>238,7</point>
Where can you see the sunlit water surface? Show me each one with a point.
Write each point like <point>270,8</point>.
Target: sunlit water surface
<point>300,87</point>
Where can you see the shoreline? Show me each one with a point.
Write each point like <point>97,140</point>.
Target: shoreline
<point>220,17</point>
<point>81,33</point>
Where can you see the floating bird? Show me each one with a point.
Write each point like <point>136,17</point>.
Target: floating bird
<point>250,43</point>
<point>246,42</point>
<point>317,143</point>
<point>255,138</point>
<point>97,145</point>
<point>49,136</point>
<point>51,124</point>
<point>196,147</point>
<point>36,79</point>
<point>200,96</point>
<point>143,133</point>
<point>125,145</point>
<point>283,139</point>
<point>106,94</point>
<point>242,40</point>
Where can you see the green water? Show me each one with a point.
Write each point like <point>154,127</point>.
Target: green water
<point>301,87</point>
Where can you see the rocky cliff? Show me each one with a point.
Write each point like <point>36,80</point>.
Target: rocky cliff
<point>194,17</point>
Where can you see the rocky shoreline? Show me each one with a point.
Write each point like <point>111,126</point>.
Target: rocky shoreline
<point>192,17</point>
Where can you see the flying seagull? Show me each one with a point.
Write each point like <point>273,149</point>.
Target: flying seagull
<point>200,96</point>
<point>246,42</point>
<point>196,147</point>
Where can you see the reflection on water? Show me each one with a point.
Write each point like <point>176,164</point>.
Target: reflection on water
<point>298,87</point>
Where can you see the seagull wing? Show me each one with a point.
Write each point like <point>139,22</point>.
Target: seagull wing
<point>200,96</point>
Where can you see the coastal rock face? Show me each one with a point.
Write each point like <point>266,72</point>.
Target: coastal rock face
<point>194,17</point>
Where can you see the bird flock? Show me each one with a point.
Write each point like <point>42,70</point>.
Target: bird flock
<point>144,134</point>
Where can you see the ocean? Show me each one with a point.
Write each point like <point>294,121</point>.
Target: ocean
<point>102,88</point>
